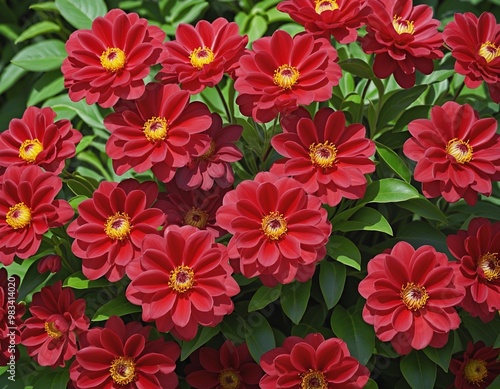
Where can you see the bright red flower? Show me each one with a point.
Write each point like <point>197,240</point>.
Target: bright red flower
<point>457,154</point>
<point>280,73</point>
<point>122,356</point>
<point>475,44</point>
<point>184,280</point>
<point>111,225</point>
<point>339,18</point>
<point>159,131</point>
<point>199,56</point>
<point>478,266</point>
<point>111,60</point>
<point>280,231</point>
<point>329,159</point>
<point>404,39</point>
<point>477,368</point>
<point>50,335</point>
<point>229,367</point>
<point>411,297</point>
<point>312,362</point>
<point>28,209</point>
<point>50,263</point>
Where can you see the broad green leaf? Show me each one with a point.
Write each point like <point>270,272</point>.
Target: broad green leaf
<point>79,281</point>
<point>487,332</point>
<point>259,335</point>
<point>47,6</point>
<point>84,143</point>
<point>9,76</point>
<point>332,277</point>
<point>357,67</point>
<point>371,385</point>
<point>394,161</point>
<point>389,190</point>
<point>233,327</point>
<point>344,251</point>
<point>76,201</point>
<point>417,112</point>
<point>424,208</point>
<point>49,85</point>
<point>442,356</point>
<point>257,27</point>
<point>81,13</point>
<point>119,306</point>
<point>90,114</point>
<point>183,12</point>
<point>203,336</point>
<point>51,379</point>
<point>418,370</point>
<point>80,187</point>
<point>366,219</point>
<point>294,298</point>
<point>398,103</point>
<point>36,29</point>
<point>9,31</point>
<point>264,296</point>
<point>41,56</point>
<point>33,281</point>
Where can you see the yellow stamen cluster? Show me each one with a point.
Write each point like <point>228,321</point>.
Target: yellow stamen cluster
<point>117,227</point>
<point>155,129</point>
<point>30,149</point>
<point>274,226</point>
<point>286,76</point>
<point>475,371</point>
<point>414,296</point>
<point>181,279</point>
<point>122,370</point>
<point>113,59</point>
<point>489,51</point>
<point>201,56</point>
<point>403,26</point>
<point>18,216</point>
<point>323,154</point>
<point>196,217</point>
<point>51,330</point>
<point>313,379</point>
<point>460,150</point>
<point>490,264</point>
<point>229,379</point>
<point>325,5</point>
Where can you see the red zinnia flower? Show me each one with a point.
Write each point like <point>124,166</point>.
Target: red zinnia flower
<point>28,210</point>
<point>312,362</point>
<point>121,356</point>
<point>280,231</point>
<point>49,263</point>
<point>339,18</point>
<point>475,44</point>
<point>457,154</point>
<point>478,266</point>
<point>326,157</point>
<point>160,130</point>
<point>477,368</point>
<point>184,280</point>
<point>111,60</point>
<point>111,226</point>
<point>280,73</point>
<point>228,368</point>
<point>411,297</point>
<point>404,38</point>
<point>200,55</point>
<point>51,334</point>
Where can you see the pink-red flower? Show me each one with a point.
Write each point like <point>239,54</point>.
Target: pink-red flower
<point>478,266</point>
<point>457,154</point>
<point>28,209</point>
<point>50,263</point>
<point>403,38</point>
<point>111,60</point>
<point>122,356</point>
<point>280,73</point>
<point>184,279</point>
<point>312,362</point>
<point>200,56</point>
<point>411,297</point>
<point>329,159</point>
<point>50,335</point>
<point>279,231</point>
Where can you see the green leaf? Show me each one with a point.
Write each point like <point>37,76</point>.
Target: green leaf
<point>394,161</point>
<point>264,296</point>
<point>51,379</point>
<point>332,277</point>
<point>398,103</point>
<point>418,370</point>
<point>81,13</point>
<point>47,6</point>
<point>203,336</point>
<point>33,281</point>
<point>183,12</point>
<point>76,201</point>
<point>9,31</point>
<point>79,281</point>
<point>344,251</point>
<point>10,75</point>
<point>84,143</point>
<point>119,306</point>
<point>389,190</point>
<point>50,84</point>
<point>417,112</point>
<point>357,67</point>
<point>294,299</point>
<point>259,335</point>
<point>424,208</point>
<point>442,356</point>
<point>371,385</point>
<point>41,56</point>
<point>487,332</point>
<point>36,29</point>
<point>80,187</point>
<point>90,114</point>
<point>366,219</point>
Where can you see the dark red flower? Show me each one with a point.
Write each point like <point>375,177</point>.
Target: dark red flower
<point>411,297</point>
<point>329,159</point>
<point>184,280</point>
<point>477,368</point>
<point>122,356</point>
<point>404,39</point>
<point>111,60</point>
<point>199,56</point>
<point>28,209</point>
<point>312,362</point>
<point>230,367</point>
<point>457,154</point>
<point>50,335</point>
<point>280,231</point>
<point>49,263</point>
<point>280,73</point>
<point>159,131</point>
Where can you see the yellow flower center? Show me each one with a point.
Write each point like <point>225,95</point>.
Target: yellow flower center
<point>274,226</point>
<point>475,371</point>
<point>29,150</point>
<point>201,56</point>
<point>181,279</point>
<point>113,59</point>
<point>51,330</point>
<point>313,379</point>
<point>323,154</point>
<point>489,51</point>
<point>19,216</point>
<point>196,217</point>
<point>286,76</point>
<point>229,379</point>
<point>490,265</point>
<point>118,226</point>
<point>325,5</point>
<point>209,152</point>
<point>414,296</point>
<point>155,129</point>
<point>122,370</point>
<point>403,26</point>
<point>459,149</point>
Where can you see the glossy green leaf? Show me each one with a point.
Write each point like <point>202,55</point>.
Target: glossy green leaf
<point>264,296</point>
<point>36,29</point>
<point>357,67</point>
<point>90,114</point>
<point>79,281</point>
<point>424,208</point>
<point>418,370</point>
<point>442,356</point>
<point>203,336</point>
<point>49,85</point>
<point>413,113</point>
<point>32,280</point>
<point>46,6</point>
<point>84,143</point>
<point>259,335</point>
<point>344,250</point>
<point>119,306</point>
<point>294,298</point>
<point>366,219</point>
<point>41,56</point>
<point>398,103</point>
<point>332,276</point>
<point>487,332</point>
<point>50,379</point>
<point>9,31</point>
<point>394,161</point>
<point>389,190</point>
<point>371,385</point>
<point>9,76</point>
<point>81,13</point>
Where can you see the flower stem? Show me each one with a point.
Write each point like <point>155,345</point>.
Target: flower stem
<point>459,90</point>
<point>224,102</point>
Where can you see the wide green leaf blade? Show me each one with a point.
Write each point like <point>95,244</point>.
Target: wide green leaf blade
<point>389,190</point>
<point>259,335</point>
<point>294,298</point>
<point>79,281</point>
<point>41,56</point>
<point>202,337</point>
<point>81,13</point>
<point>397,103</point>
<point>119,306</point>
<point>264,296</point>
<point>394,162</point>
<point>332,277</point>
<point>36,29</point>
<point>419,371</point>
<point>344,250</point>
<point>366,219</point>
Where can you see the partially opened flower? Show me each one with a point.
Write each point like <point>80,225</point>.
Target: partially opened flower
<point>50,263</point>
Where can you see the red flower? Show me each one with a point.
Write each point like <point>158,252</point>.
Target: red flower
<point>478,266</point>
<point>411,297</point>
<point>282,72</point>
<point>49,263</point>
<point>28,210</point>
<point>475,44</point>
<point>280,231</point>
<point>121,356</point>
<point>184,280</point>
<point>404,38</point>
<point>36,139</point>
<point>477,368</point>
<point>339,18</point>
<point>50,335</point>
<point>326,157</point>
<point>111,60</point>
<point>160,130</point>
<point>457,154</point>
<point>200,55</point>
<point>229,367</point>
<point>312,362</point>
<point>111,226</point>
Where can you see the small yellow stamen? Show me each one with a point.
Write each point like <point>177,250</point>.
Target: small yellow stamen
<point>19,216</point>
<point>460,150</point>
<point>313,379</point>
<point>209,152</point>
<point>323,154</point>
<point>156,129</point>
<point>403,26</point>
<point>229,379</point>
<point>274,226</point>
<point>30,149</point>
<point>113,59</point>
<point>122,370</point>
<point>490,265</point>
<point>201,56</point>
<point>489,51</point>
<point>325,5</point>
<point>51,330</point>
<point>475,371</point>
<point>181,279</point>
<point>196,217</point>
<point>414,296</point>
<point>117,227</point>
<point>286,76</point>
